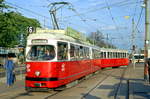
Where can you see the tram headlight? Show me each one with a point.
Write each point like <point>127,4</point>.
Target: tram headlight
<point>37,73</point>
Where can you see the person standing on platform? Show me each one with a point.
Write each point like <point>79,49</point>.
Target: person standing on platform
<point>148,65</point>
<point>146,73</point>
<point>9,66</point>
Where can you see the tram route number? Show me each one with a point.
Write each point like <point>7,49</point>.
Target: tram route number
<point>31,29</point>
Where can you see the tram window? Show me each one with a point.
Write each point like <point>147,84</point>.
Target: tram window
<point>105,55</point>
<point>92,53</point>
<point>97,54</point>
<point>81,52</point>
<point>116,55</point>
<point>108,55</point>
<point>41,52</point>
<point>119,55</point>
<point>72,51</point>
<point>87,52</point>
<point>101,54</point>
<point>77,51</point>
<point>62,51</point>
<point>123,55</point>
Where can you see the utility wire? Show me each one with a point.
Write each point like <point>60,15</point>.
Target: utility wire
<point>82,19</point>
<point>136,28</point>
<point>111,14</point>
<point>135,10</point>
<point>30,11</point>
<point>26,9</point>
<point>98,9</point>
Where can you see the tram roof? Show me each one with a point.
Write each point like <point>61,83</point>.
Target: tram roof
<point>113,50</point>
<point>61,35</point>
<point>55,35</point>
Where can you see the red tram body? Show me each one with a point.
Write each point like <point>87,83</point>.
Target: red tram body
<point>70,60</point>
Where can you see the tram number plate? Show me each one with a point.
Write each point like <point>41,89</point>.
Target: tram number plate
<point>37,84</point>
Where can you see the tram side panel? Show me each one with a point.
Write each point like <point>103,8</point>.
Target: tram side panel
<point>114,62</point>
<point>73,70</point>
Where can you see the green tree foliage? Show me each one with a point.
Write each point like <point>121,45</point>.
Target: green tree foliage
<point>12,25</point>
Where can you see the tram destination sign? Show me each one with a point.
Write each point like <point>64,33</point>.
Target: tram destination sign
<point>39,41</point>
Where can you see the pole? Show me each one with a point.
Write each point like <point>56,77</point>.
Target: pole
<point>133,43</point>
<point>107,40</point>
<point>147,28</point>
<point>44,22</point>
<point>147,34</point>
<point>94,38</point>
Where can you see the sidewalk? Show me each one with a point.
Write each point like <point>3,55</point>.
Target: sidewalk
<point>18,77</point>
<point>138,88</point>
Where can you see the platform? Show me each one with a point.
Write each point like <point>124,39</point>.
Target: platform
<point>131,86</point>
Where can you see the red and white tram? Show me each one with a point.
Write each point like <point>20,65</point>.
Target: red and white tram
<point>54,60</point>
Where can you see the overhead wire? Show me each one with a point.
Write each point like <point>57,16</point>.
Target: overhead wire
<point>135,10</point>
<point>29,11</point>
<point>98,9</point>
<point>26,10</point>
<point>90,11</point>
<point>140,16</point>
<point>83,20</point>
<point>108,7</point>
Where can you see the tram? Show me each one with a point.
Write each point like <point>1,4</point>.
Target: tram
<point>54,59</point>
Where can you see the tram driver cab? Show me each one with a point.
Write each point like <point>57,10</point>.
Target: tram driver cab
<point>41,52</point>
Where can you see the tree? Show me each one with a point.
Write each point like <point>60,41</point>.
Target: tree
<point>12,26</point>
<point>3,5</point>
<point>97,38</point>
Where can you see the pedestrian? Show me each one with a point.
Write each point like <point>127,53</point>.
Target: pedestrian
<point>148,65</point>
<point>9,66</point>
<point>146,75</point>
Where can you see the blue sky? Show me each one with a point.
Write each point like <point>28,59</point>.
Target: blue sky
<point>107,16</point>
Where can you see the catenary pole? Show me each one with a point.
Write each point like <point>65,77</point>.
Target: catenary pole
<point>147,28</point>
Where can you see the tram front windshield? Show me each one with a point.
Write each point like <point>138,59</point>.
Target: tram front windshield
<point>41,53</point>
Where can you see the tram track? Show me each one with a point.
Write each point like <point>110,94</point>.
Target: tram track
<point>120,83</point>
<point>101,81</point>
<point>53,94</point>
<point>57,92</point>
